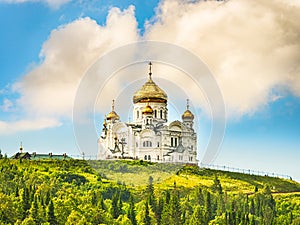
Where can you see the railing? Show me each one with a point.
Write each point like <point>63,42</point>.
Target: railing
<point>245,171</point>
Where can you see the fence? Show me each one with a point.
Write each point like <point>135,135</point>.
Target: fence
<point>245,171</point>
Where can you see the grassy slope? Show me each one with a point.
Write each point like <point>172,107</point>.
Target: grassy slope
<point>136,174</point>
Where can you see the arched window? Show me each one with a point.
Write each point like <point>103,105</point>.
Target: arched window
<point>155,113</point>
<point>175,142</point>
<point>137,114</point>
<point>147,144</point>
<point>145,157</point>
<point>157,157</point>
<point>171,142</point>
<point>161,112</point>
<point>149,157</point>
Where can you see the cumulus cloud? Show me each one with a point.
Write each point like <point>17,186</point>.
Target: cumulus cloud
<point>55,4</point>
<point>252,47</point>
<point>50,88</point>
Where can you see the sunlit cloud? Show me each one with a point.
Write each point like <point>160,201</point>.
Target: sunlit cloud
<point>251,47</point>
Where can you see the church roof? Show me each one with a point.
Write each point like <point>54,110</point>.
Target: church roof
<point>187,114</point>
<point>112,115</point>
<point>150,91</point>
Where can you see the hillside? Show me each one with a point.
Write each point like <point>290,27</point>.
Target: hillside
<point>136,173</point>
<point>122,192</point>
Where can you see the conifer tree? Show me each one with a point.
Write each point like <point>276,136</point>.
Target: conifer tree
<point>34,210</point>
<point>147,219</point>
<point>160,207</point>
<point>116,205</point>
<point>208,207</point>
<point>150,194</point>
<point>217,187</point>
<point>131,211</point>
<point>25,201</point>
<point>50,213</point>
<point>197,217</point>
<point>175,209</point>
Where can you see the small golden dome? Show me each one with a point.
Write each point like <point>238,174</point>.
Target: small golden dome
<point>187,115</point>
<point>150,92</point>
<point>113,115</point>
<point>147,110</point>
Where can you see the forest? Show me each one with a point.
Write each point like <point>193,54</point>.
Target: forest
<point>136,192</point>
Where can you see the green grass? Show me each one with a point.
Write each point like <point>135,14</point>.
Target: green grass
<point>136,173</point>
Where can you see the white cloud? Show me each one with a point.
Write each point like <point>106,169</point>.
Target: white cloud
<point>7,105</point>
<point>55,4</point>
<point>7,128</point>
<point>251,46</point>
<point>50,88</point>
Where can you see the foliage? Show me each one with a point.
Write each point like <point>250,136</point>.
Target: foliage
<point>91,192</point>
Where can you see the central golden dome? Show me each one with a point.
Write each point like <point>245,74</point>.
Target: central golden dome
<point>150,92</point>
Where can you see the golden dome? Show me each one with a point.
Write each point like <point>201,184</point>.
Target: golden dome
<point>187,114</point>
<point>112,115</point>
<point>150,92</point>
<point>147,110</point>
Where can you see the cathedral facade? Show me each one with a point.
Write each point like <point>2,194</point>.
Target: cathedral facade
<point>149,137</point>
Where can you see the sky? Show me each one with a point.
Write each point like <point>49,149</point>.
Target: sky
<point>251,48</point>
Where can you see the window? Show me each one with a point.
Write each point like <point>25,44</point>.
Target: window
<point>157,157</point>
<point>171,142</point>
<point>145,157</point>
<point>147,144</point>
<point>155,113</point>
<point>181,157</point>
<point>161,112</point>
<point>149,157</point>
<point>137,114</point>
<point>175,142</point>
<point>157,144</point>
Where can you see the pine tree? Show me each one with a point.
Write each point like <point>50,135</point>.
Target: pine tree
<point>160,207</point>
<point>34,210</point>
<point>147,219</point>
<point>115,206</point>
<point>208,207</point>
<point>131,211</point>
<point>150,194</point>
<point>175,209</point>
<point>25,202</point>
<point>217,187</point>
<point>197,217</point>
<point>50,213</point>
<point>199,197</point>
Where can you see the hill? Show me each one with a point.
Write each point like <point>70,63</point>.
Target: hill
<point>138,192</point>
<point>136,173</point>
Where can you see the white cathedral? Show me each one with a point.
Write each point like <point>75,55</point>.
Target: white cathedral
<point>149,137</point>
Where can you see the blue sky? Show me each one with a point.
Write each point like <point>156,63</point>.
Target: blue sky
<point>257,69</point>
